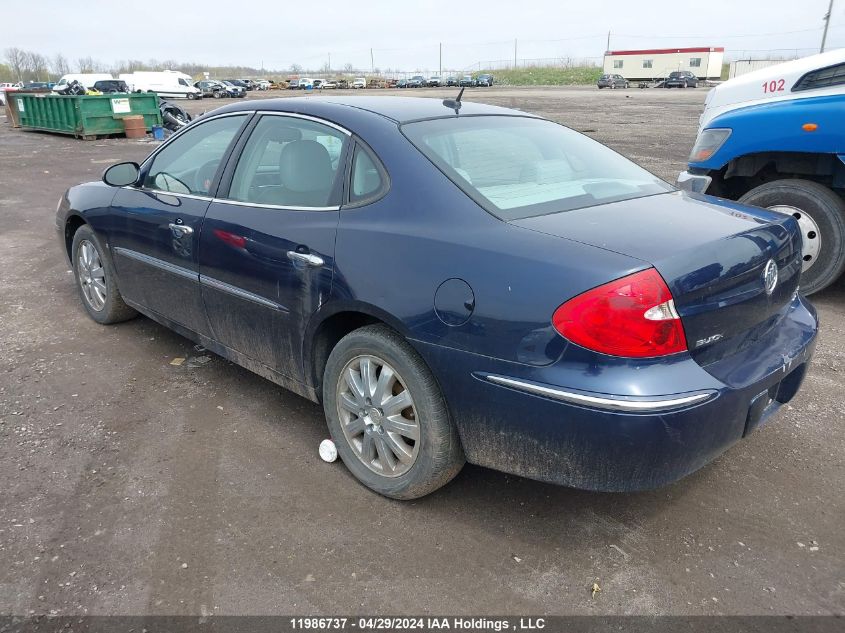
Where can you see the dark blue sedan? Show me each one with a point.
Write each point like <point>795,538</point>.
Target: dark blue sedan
<point>455,282</point>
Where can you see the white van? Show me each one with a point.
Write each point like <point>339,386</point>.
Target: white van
<point>167,83</point>
<point>86,79</point>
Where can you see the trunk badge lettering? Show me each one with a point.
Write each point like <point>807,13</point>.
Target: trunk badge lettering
<point>708,340</point>
<point>770,276</point>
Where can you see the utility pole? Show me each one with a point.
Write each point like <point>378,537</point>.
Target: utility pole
<point>608,42</point>
<point>330,62</point>
<point>514,53</point>
<point>440,74</point>
<point>826,25</point>
<point>372,63</point>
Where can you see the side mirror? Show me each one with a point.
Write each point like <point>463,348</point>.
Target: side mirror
<point>122,174</point>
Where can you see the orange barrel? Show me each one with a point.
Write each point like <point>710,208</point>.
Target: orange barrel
<point>134,126</point>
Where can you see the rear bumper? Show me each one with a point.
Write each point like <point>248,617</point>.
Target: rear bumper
<point>523,420</point>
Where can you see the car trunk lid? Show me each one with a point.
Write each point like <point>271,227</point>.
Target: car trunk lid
<point>712,254</point>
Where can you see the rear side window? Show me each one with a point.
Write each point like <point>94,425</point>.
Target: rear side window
<point>518,167</point>
<point>290,162</point>
<point>367,177</point>
<point>821,78</point>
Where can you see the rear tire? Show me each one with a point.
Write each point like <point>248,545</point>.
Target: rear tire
<point>96,280</point>
<point>825,210</point>
<point>361,421</point>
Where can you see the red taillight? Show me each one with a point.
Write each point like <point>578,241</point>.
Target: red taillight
<point>633,316</point>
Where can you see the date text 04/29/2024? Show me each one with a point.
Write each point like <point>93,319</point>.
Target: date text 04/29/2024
<point>416,624</point>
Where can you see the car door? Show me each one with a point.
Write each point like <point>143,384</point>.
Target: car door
<point>156,226</point>
<point>267,245</point>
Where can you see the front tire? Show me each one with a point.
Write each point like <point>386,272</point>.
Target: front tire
<point>821,216</point>
<point>387,416</point>
<point>95,279</point>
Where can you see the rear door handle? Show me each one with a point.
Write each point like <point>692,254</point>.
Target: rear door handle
<point>180,230</point>
<point>306,258</point>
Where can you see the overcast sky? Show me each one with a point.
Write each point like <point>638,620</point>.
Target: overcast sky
<point>404,34</point>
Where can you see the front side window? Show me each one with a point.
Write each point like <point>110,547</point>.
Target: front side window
<point>695,62</point>
<point>518,167</point>
<point>617,63</point>
<point>290,162</point>
<point>189,162</point>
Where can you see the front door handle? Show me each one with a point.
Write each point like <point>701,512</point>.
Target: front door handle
<point>180,230</point>
<point>306,258</point>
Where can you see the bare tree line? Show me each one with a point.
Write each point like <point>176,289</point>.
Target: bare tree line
<point>22,65</point>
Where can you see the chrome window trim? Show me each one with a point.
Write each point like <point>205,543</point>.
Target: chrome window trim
<point>190,196</point>
<point>272,206</point>
<point>241,293</point>
<point>157,263</point>
<point>608,403</point>
<point>296,115</point>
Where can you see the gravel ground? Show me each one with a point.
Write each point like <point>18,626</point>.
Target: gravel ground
<point>132,486</point>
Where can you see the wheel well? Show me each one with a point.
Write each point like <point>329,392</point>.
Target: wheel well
<point>746,172</point>
<point>328,335</point>
<point>71,227</point>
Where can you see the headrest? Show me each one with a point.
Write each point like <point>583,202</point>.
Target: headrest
<point>547,171</point>
<point>306,166</point>
<point>284,134</point>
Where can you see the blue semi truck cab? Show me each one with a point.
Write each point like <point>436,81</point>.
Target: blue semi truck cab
<point>775,138</point>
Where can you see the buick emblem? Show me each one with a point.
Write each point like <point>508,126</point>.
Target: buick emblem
<point>770,276</point>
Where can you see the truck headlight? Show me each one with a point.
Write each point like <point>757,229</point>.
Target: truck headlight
<point>708,143</point>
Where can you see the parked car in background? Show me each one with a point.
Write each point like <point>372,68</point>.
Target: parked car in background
<point>609,80</point>
<point>306,83</point>
<point>232,90</point>
<point>467,81</point>
<point>328,84</point>
<point>360,82</point>
<point>484,80</point>
<point>681,79</point>
<point>549,308</point>
<point>238,83</point>
<point>36,85</point>
<point>249,84</point>
<point>402,83</point>
<point>451,80</point>
<point>7,87</point>
<point>111,85</point>
<point>433,81</point>
<point>87,80</point>
<point>211,88</point>
<point>262,84</point>
<point>417,81</point>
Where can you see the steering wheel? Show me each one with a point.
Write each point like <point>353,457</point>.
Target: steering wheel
<point>205,176</point>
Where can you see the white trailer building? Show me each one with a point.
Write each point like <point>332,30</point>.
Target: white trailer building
<point>704,62</point>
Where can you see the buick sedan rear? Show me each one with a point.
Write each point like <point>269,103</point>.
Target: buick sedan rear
<point>456,282</point>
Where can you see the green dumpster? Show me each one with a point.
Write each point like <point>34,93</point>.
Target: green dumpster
<point>83,115</point>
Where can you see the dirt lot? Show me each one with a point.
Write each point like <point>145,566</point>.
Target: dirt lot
<point>132,486</point>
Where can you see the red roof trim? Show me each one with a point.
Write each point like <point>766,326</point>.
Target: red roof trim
<point>669,51</point>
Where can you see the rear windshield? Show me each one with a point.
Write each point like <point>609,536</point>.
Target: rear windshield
<point>519,167</point>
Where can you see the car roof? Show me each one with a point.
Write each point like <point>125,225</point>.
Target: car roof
<point>397,109</point>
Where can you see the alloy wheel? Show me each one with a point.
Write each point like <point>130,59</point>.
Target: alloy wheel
<point>92,277</point>
<point>378,416</point>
